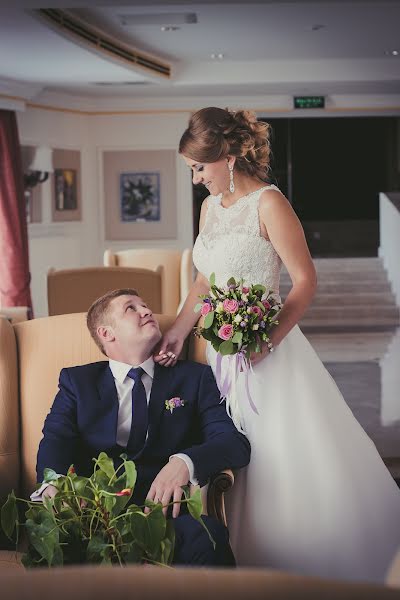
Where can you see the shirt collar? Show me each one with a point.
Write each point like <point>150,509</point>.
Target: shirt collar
<point>120,370</point>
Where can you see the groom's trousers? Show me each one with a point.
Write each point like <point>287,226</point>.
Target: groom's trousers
<point>193,546</point>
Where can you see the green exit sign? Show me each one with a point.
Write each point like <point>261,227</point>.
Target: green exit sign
<point>309,102</point>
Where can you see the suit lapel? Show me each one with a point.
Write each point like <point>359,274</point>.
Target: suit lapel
<point>162,382</point>
<point>108,406</point>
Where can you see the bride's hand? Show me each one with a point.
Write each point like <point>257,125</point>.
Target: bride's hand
<point>168,349</point>
<point>256,357</point>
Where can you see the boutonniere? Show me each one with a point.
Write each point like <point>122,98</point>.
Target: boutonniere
<point>174,403</point>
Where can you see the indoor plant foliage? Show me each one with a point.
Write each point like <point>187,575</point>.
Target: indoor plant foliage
<point>90,520</point>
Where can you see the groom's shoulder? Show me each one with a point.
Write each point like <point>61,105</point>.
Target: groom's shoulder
<point>191,367</point>
<point>89,370</point>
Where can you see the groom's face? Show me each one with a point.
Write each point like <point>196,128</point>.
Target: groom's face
<point>132,323</point>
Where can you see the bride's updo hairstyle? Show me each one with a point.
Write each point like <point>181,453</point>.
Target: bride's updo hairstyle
<point>215,133</point>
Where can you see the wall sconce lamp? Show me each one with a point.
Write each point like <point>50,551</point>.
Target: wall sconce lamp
<point>40,167</point>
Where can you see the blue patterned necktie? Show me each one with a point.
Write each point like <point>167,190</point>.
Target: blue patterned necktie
<point>137,436</point>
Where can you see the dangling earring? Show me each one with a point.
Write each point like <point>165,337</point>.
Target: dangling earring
<point>231,183</point>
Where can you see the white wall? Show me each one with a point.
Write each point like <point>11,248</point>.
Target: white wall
<point>64,245</point>
<point>389,250</point>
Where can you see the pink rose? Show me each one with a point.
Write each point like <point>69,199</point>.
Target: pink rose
<point>230,306</point>
<point>245,290</point>
<point>257,311</point>
<point>205,309</point>
<point>266,304</point>
<point>225,332</point>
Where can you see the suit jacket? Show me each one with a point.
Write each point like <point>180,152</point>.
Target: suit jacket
<point>83,422</point>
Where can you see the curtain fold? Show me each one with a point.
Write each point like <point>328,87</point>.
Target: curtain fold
<point>14,254</point>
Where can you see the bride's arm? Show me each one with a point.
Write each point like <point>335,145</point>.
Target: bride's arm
<point>284,230</point>
<point>172,342</point>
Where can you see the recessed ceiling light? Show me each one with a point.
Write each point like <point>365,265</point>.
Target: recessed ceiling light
<point>395,52</point>
<point>217,56</point>
<point>391,52</point>
<point>170,28</point>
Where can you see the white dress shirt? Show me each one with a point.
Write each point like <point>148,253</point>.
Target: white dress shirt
<point>124,386</point>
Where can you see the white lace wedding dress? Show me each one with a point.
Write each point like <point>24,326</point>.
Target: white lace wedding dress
<point>316,498</point>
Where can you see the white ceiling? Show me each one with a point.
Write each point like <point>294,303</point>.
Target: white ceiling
<point>269,47</point>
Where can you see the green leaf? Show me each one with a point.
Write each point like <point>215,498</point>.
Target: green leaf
<point>106,464</point>
<point>198,307</point>
<point>195,505</point>
<point>231,281</point>
<point>237,338</point>
<point>226,348</point>
<point>212,279</point>
<point>131,474</point>
<point>9,515</point>
<point>96,549</point>
<point>43,536</point>
<point>258,288</point>
<point>148,530</point>
<point>49,475</point>
<point>209,319</point>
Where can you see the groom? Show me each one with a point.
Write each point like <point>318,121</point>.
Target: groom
<point>119,405</point>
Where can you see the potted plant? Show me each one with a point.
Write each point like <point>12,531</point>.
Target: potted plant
<point>91,520</point>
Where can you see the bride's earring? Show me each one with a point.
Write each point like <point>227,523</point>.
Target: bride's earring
<point>231,183</point>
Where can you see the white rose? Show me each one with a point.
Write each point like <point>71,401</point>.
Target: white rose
<point>255,327</point>
<point>238,319</point>
<point>244,297</point>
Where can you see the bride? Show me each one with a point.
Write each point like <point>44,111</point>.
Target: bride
<point>316,498</point>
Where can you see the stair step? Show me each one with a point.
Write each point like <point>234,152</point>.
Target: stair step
<point>374,299</point>
<point>356,288</point>
<point>355,312</point>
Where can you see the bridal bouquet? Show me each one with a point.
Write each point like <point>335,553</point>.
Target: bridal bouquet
<point>237,320</point>
<point>90,520</point>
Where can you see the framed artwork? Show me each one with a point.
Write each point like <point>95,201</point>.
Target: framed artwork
<point>65,189</point>
<point>66,185</point>
<point>139,197</point>
<point>139,194</point>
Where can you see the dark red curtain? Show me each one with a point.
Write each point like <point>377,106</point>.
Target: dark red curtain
<point>14,256</point>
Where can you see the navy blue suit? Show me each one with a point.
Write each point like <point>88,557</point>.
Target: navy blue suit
<point>83,422</point>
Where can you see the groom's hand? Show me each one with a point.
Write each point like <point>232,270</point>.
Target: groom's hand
<point>167,486</point>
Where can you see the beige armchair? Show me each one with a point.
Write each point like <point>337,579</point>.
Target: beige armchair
<point>74,290</point>
<point>31,357</point>
<point>15,314</point>
<point>177,276</point>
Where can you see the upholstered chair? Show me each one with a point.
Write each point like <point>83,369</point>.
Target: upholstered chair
<point>74,290</point>
<point>177,275</point>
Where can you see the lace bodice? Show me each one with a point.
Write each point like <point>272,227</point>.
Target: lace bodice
<point>230,244</point>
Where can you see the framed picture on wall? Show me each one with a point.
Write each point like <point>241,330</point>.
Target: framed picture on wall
<point>66,185</point>
<point>65,189</point>
<point>139,197</point>
<point>139,194</point>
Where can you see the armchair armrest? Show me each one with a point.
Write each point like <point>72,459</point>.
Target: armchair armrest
<point>218,485</point>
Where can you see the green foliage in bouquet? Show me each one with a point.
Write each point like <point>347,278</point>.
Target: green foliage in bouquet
<point>90,520</point>
<point>237,318</point>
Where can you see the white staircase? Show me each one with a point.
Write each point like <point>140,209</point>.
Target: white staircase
<point>352,294</point>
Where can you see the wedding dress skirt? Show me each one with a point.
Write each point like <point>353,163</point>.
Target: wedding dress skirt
<point>316,498</point>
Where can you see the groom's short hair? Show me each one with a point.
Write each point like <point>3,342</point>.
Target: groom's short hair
<point>98,313</point>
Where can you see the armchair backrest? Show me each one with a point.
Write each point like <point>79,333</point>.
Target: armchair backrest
<point>74,290</point>
<point>32,355</point>
<point>176,275</point>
